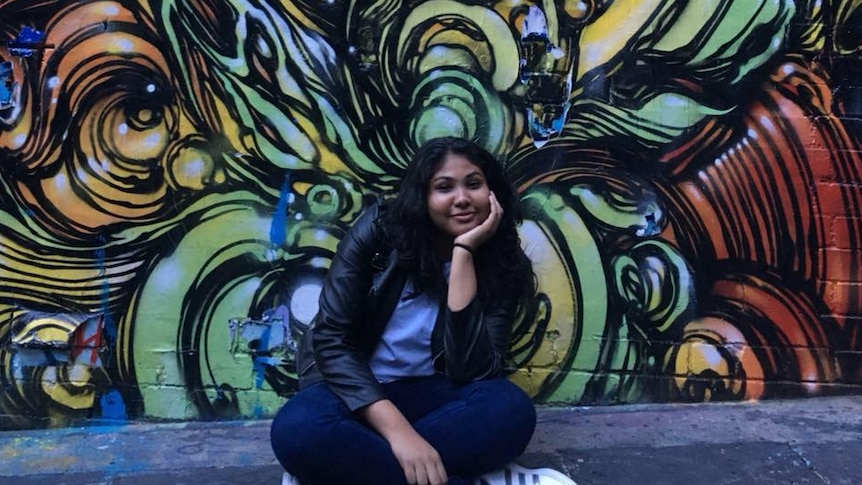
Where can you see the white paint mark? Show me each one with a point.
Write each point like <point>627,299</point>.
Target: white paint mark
<point>125,45</point>
<point>672,101</point>
<point>153,140</point>
<point>303,302</point>
<point>60,181</point>
<point>168,276</point>
<point>194,168</point>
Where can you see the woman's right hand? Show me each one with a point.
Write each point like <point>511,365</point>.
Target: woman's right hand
<point>419,460</point>
<point>478,235</point>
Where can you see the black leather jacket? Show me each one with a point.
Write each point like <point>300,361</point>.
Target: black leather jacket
<point>356,302</point>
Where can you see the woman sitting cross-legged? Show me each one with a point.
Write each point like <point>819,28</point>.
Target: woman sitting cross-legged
<point>401,372</point>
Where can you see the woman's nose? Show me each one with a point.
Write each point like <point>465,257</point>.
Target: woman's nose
<point>461,196</point>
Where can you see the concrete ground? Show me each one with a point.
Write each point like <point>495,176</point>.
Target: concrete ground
<point>816,441</point>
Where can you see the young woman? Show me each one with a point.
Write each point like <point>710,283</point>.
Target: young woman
<point>401,373</point>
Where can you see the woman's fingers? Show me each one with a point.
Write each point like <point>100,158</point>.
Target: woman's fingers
<point>419,460</point>
<point>426,472</point>
<point>421,475</point>
<point>488,227</point>
<point>441,476</point>
<point>409,472</point>
<point>496,210</point>
<point>478,235</point>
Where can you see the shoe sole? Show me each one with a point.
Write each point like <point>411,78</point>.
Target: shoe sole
<point>521,475</point>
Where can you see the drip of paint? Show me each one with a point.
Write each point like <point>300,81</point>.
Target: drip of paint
<point>110,328</point>
<point>278,230</point>
<point>545,72</point>
<point>112,405</point>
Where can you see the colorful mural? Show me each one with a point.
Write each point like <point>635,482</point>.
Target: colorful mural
<point>176,175</point>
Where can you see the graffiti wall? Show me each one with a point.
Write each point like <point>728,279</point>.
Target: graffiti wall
<point>176,175</point>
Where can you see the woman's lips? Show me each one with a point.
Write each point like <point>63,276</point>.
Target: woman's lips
<point>467,217</point>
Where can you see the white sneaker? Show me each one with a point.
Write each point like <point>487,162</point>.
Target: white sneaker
<point>289,479</point>
<point>514,474</point>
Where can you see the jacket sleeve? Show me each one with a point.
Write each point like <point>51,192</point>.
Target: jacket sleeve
<point>476,340</point>
<point>340,327</point>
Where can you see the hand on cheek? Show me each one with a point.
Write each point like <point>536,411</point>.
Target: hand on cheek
<point>480,234</point>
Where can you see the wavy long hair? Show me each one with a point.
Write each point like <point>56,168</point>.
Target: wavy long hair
<point>503,271</point>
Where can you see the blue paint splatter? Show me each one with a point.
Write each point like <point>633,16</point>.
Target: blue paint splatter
<point>113,406</point>
<point>7,85</point>
<point>27,42</point>
<point>265,337</point>
<point>259,411</point>
<point>278,230</point>
<point>259,368</point>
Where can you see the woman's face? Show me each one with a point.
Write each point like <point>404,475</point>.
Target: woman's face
<point>458,196</point>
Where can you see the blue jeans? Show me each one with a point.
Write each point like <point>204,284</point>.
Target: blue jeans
<point>476,428</point>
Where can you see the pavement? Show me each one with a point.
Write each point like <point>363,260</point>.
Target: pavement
<point>815,440</point>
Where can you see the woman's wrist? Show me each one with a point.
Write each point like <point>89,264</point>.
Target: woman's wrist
<point>465,248</point>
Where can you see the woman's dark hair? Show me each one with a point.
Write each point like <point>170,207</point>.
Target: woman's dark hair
<point>503,271</point>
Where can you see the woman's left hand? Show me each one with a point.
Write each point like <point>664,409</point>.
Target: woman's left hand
<point>480,234</point>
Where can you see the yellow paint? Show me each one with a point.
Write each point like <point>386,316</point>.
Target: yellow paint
<point>610,33</point>
<point>691,21</point>
<point>74,393</point>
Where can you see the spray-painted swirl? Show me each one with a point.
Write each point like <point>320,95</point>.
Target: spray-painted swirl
<point>180,166</point>
<point>98,121</point>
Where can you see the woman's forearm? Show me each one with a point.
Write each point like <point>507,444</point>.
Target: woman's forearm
<point>419,461</point>
<point>462,279</point>
<point>386,419</point>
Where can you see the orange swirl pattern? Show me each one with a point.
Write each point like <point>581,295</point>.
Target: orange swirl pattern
<point>99,118</point>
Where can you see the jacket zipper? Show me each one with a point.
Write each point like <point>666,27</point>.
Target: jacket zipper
<point>307,367</point>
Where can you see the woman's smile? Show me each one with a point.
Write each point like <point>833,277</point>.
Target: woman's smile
<point>464,217</point>
<point>458,196</point>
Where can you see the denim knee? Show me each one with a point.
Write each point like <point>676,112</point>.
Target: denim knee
<point>285,436</point>
<point>513,407</point>
<point>511,399</point>
<point>298,423</point>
